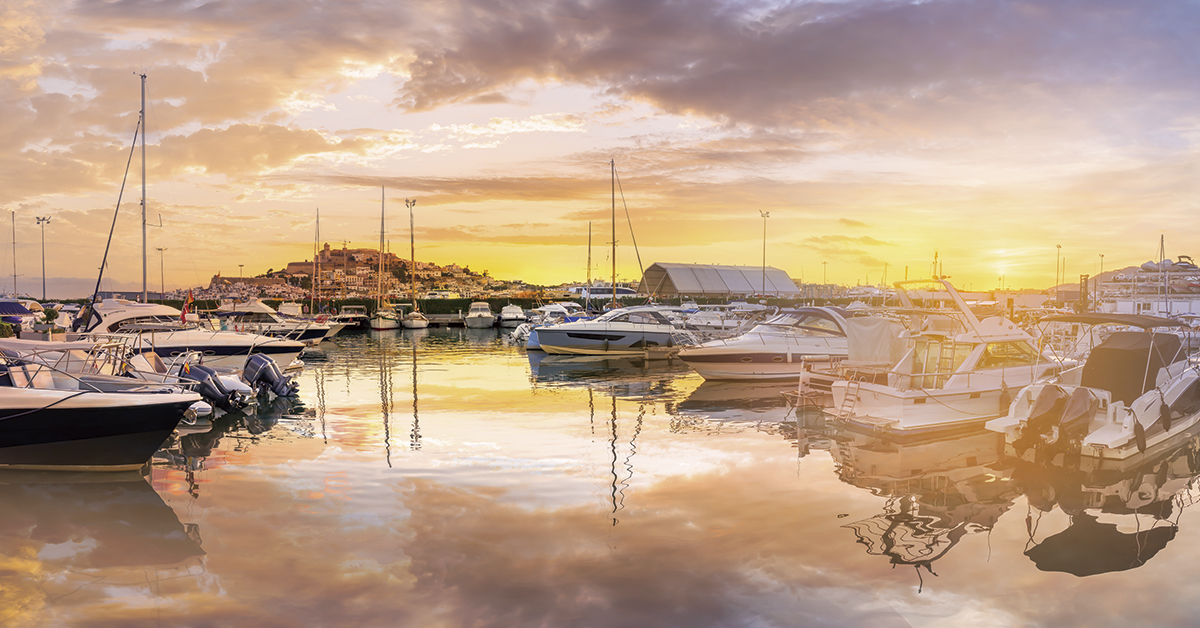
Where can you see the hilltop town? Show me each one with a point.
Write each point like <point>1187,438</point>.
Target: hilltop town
<point>347,273</point>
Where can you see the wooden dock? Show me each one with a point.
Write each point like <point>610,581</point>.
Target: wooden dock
<point>446,320</point>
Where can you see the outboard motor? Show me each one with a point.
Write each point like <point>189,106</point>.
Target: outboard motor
<point>263,374</point>
<point>212,389</point>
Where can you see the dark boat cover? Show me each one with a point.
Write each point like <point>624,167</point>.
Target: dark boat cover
<point>1126,364</point>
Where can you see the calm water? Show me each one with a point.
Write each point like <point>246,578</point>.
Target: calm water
<point>443,478</point>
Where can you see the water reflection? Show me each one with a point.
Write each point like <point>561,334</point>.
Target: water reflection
<point>624,376</point>
<point>70,539</point>
<point>937,492</point>
<point>1120,515</point>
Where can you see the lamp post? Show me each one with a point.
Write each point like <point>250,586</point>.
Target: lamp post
<point>1101,263</point>
<point>764,215</point>
<point>162,274</point>
<point>240,270</point>
<point>41,221</point>
<point>824,273</point>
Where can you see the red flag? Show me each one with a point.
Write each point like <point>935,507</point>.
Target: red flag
<point>187,307</point>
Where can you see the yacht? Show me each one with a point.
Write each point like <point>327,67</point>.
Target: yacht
<point>774,349</point>
<point>628,331</point>
<point>1134,392</point>
<point>480,316</point>
<point>257,317</point>
<point>352,316</point>
<point>957,372</point>
<point>160,328</point>
<point>512,316</point>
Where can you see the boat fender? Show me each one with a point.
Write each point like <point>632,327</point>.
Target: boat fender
<point>1005,396</point>
<point>1164,413</point>
<point>1139,434</point>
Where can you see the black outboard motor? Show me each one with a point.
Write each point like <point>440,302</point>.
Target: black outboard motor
<point>263,374</point>
<point>215,392</point>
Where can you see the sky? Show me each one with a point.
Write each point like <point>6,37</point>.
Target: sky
<point>876,134</point>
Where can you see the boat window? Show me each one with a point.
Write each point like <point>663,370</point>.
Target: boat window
<point>1002,354</point>
<point>643,318</point>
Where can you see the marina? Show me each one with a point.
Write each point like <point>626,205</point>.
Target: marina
<point>713,314</point>
<point>449,476</point>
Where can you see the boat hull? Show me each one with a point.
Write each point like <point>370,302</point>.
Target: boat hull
<point>87,432</point>
<point>563,340</point>
<point>219,349</point>
<point>384,323</point>
<point>415,323</point>
<point>480,322</point>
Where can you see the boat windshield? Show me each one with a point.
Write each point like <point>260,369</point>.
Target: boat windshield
<point>143,323</point>
<point>806,323</point>
<point>642,317</point>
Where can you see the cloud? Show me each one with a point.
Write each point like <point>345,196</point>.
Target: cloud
<point>847,222</point>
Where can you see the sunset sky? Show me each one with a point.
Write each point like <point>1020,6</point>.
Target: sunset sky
<point>874,132</point>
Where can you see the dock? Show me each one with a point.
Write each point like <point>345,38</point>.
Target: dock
<point>446,320</point>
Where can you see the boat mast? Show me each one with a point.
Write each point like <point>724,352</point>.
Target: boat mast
<point>587,299</point>
<point>379,276</point>
<point>14,230</point>
<point>315,273</point>
<point>412,274</point>
<point>613,164</point>
<point>142,116</point>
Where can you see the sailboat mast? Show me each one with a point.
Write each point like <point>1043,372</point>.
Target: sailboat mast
<point>143,121</point>
<point>379,275</point>
<point>315,272</point>
<point>587,300</point>
<point>613,165</point>
<point>412,251</point>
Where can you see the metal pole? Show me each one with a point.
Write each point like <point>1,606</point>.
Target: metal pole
<point>764,215</point>
<point>162,273</point>
<point>14,230</point>
<point>41,221</point>
<point>143,121</point>
<point>1057,256</point>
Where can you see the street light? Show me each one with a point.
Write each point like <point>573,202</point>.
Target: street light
<point>41,221</point>
<point>162,274</point>
<point>765,216</point>
<point>824,274</point>
<point>240,270</point>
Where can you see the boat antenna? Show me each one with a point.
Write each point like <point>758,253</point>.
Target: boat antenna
<point>13,214</point>
<point>315,273</point>
<point>87,316</point>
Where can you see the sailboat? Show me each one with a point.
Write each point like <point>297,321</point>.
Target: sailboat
<point>414,319</point>
<point>385,316</point>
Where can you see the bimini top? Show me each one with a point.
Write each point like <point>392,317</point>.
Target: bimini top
<point>1144,321</point>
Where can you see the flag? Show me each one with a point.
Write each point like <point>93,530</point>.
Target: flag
<point>187,307</point>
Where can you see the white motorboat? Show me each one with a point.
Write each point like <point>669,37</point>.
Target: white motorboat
<point>414,320</point>
<point>958,372</point>
<point>50,420</point>
<point>479,316</point>
<point>512,316</point>
<point>1134,392</point>
<point>628,331</point>
<point>252,315</point>
<point>352,316</point>
<point>158,328</point>
<point>774,349</point>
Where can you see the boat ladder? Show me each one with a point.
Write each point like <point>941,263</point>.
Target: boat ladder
<point>846,410</point>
